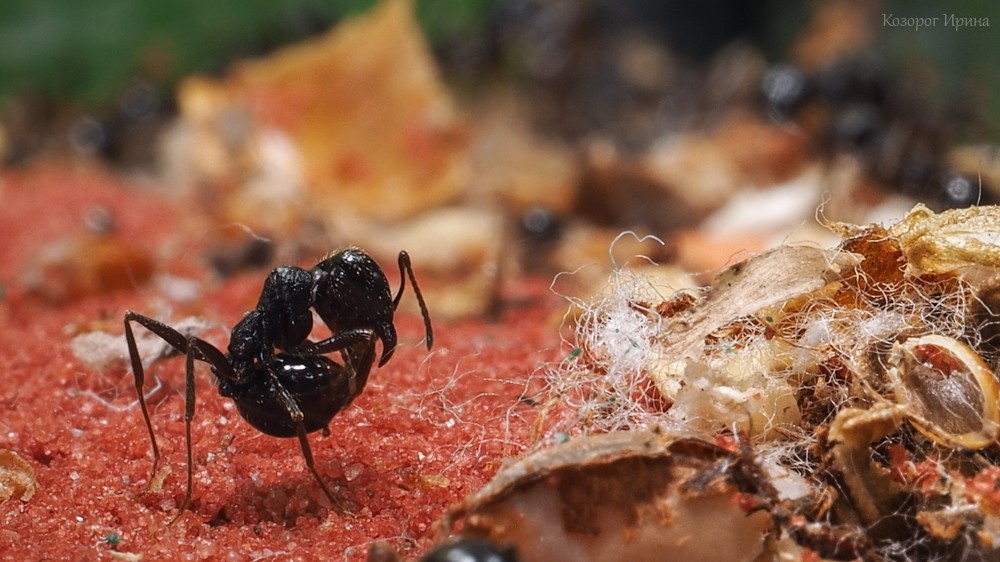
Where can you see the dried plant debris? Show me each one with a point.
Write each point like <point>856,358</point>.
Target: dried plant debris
<point>622,496</point>
<point>856,386</point>
<point>69,269</point>
<point>17,477</point>
<point>325,129</point>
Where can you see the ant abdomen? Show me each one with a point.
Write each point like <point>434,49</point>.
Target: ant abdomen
<point>318,387</point>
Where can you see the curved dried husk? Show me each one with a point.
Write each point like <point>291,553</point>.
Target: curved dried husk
<point>949,391</point>
<point>620,496</point>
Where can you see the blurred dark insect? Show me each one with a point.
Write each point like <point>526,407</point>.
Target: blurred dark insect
<point>471,550</point>
<point>857,106</point>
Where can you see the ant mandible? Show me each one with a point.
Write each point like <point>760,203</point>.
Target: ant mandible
<point>282,383</point>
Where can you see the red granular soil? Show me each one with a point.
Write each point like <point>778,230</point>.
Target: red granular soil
<point>429,428</point>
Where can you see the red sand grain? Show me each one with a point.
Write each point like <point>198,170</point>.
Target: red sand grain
<point>429,429</point>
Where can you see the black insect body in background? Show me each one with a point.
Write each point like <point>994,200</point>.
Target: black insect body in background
<point>471,550</point>
<point>282,383</point>
<point>899,137</point>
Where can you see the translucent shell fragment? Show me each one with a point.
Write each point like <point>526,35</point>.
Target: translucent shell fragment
<point>949,391</point>
<point>622,496</point>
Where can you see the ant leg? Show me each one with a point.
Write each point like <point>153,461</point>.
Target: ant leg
<point>288,403</point>
<point>139,375</point>
<point>189,397</point>
<point>338,342</point>
<point>200,349</point>
<point>404,265</point>
<point>359,365</point>
<point>193,348</point>
<point>300,430</point>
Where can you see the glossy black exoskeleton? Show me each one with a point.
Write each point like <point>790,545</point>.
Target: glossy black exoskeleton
<point>471,550</point>
<point>283,383</point>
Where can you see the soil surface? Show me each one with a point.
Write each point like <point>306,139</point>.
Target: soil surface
<point>429,428</point>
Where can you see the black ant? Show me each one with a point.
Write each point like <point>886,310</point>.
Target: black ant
<point>281,382</point>
<point>471,550</point>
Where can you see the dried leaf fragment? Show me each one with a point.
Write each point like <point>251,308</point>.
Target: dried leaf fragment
<point>872,491</point>
<point>764,280</point>
<point>772,278</point>
<point>66,270</point>
<point>360,118</point>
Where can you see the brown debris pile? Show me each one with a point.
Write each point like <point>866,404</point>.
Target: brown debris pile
<point>851,392</point>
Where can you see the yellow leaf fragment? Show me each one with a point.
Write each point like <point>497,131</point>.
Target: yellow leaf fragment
<point>950,240</point>
<point>357,118</point>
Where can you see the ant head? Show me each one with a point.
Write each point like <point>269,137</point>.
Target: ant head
<point>350,291</point>
<point>284,302</point>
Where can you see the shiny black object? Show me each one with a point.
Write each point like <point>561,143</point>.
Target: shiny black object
<point>283,384</point>
<point>471,550</point>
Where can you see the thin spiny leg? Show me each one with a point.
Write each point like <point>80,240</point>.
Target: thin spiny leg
<point>338,342</point>
<point>358,363</point>
<point>139,375</point>
<point>194,349</point>
<point>288,403</point>
<point>349,342</point>
<point>189,402</point>
<point>201,350</point>
<point>300,431</point>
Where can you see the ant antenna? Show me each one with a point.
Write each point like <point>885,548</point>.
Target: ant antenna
<point>405,266</point>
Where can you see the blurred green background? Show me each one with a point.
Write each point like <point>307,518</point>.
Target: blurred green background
<point>85,52</point>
